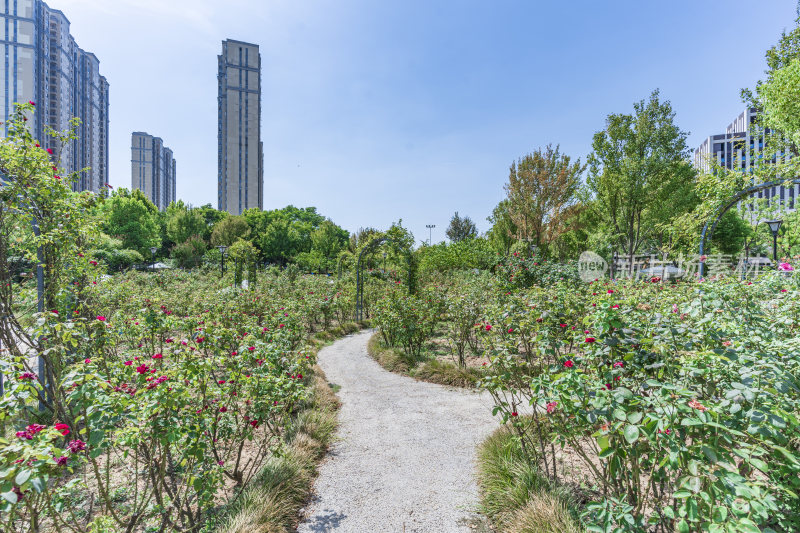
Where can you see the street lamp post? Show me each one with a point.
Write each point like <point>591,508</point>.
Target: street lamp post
<point>774,227</point>
<point>430,233</point>
<point>153,258</point>
<point>222,250</point>
<point>384,262</point>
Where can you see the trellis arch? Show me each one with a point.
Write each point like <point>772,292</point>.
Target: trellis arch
<point>731,202</point>
<point>370,247</point>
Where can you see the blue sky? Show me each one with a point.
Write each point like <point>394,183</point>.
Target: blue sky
<point>377,110</point>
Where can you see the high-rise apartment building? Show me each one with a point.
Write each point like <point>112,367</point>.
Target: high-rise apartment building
<point>43,64</point>
<point>152,169</point>
<point>742,147</point>
<point>240,151</point>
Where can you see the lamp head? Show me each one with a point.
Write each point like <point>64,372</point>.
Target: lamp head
<point>774,225</point>
<point>153,250</point>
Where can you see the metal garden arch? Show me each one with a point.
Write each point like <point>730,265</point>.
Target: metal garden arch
<point>370,247</point>
<point>731,202</point>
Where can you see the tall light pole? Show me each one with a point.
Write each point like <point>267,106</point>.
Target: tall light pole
<point>430,233</point>
<point>153,258</point>
<point>774,227</point>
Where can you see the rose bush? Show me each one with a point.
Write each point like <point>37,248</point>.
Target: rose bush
<point>174,390</point>
<point>674,406</point>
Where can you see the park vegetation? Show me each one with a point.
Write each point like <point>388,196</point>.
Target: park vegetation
<point>187,399</point>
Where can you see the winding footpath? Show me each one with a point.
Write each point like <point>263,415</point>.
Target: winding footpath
<point>404,459</point>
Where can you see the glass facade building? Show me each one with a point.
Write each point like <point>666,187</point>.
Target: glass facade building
<point>741,147</point>
<point>42,63</point>
<point>240,151</point>
<point>153,169</point>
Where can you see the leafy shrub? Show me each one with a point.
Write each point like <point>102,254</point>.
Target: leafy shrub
<point>680,405</point>
<point>467,254</point>
<point>518,271</point>
<point>190,253</point>
<point>408,321</point>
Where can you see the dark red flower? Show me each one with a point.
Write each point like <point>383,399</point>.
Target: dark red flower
<point>76,446</point>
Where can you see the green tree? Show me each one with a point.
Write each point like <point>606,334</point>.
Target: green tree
<point>280,241</point>
<point>281,234</point>
<point>211,216</point>
<point>503,231</point>
<point>328,240</point>
<point>184,222</point>
<point>229,230</point>
<point>789,236</point>
<point>640,174</point>
<point>461,228</point>
<point>777,98</point>
<point>360,237</point>
<point>190,252</point>
<point>132,218</point>
<point>730,233</point>
<point>542,189</point>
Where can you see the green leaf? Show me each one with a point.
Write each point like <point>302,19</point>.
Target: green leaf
<point>683,526</point>
<point>710,454</point>
<point>635,417</point>
<point>631,433</point>
<point>38,485</point>
<point>22,477</point>
<point>748,526</point>
<point>619,414</point>
<point>624,392</point>
<point>10,497</point>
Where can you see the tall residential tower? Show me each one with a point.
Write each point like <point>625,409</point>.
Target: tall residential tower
<point>152,169</point>
<point>43,64</point>
<point>240,151</point>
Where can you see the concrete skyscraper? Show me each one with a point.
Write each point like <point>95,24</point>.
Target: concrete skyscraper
<point>240,150</point>
<point>152,169</point>
<point>43,64</point>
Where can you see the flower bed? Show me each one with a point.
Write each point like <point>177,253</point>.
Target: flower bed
<point>168,399</point>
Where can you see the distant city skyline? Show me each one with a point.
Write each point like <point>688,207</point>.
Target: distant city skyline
<point>374,112</point>
<point>44,64</point>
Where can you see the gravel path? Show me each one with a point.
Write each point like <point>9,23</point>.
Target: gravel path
<point>405,457</point>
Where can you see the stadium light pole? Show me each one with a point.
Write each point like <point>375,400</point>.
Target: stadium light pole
<point>430,233</point>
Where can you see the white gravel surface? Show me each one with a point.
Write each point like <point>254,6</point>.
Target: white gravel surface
<point>404,460</point>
